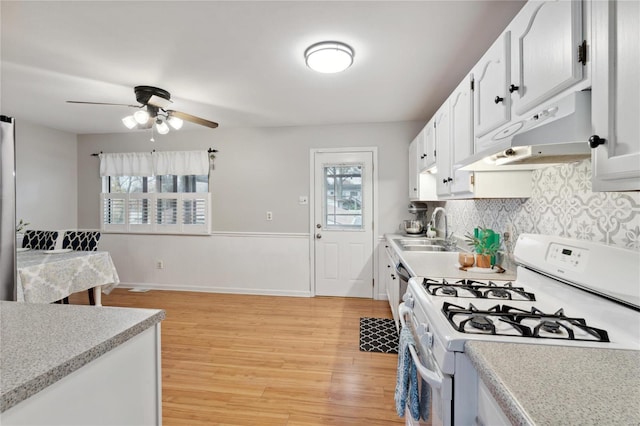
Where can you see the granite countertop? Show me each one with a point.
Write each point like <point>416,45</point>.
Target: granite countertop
<point>549,385</point>
<point>441,264</point>
<point>42,343</point>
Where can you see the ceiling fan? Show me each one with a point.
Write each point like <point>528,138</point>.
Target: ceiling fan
<point>152,109</point>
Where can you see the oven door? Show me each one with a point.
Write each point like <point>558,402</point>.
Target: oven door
<point>435,403</point>
<point>404,275</point>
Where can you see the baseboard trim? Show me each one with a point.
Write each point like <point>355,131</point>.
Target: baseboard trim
<point>259,234</point>
<point>225,290</point>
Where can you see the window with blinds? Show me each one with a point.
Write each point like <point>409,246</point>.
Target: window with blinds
<point>166,204</point>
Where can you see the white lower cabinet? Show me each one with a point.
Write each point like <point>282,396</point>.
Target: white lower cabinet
<point>616,96</point>
<point>121,387</point>
<point>489,412</point>
<point>387,273</point>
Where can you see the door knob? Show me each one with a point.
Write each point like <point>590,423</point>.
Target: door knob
<point>596,140</point>
<point>318,226</point>
<point>498,99</point>
<point>318,236</point>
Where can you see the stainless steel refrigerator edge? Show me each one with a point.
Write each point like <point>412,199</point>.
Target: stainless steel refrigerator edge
<point>7,209</point>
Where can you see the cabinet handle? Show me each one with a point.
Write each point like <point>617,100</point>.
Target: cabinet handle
<point>596,140</point>
<point>444,181</point>
<point>449,179</point>
<point>513,88</point>
<point>498,99</point>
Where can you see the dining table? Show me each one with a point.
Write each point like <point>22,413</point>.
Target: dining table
<point>46,276</point>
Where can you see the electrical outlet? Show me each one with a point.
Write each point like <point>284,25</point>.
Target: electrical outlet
<point>159,264</point>
<point>269,215</point>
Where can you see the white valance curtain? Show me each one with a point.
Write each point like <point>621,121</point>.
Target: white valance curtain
<point>154,163</point>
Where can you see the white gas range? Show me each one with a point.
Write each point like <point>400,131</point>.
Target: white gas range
<point>567,292</point>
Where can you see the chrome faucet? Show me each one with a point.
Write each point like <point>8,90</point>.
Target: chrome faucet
<point>446,226</point>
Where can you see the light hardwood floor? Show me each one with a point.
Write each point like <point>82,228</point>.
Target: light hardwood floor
<point>262,360</point>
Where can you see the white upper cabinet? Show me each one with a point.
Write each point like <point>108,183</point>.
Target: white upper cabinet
<point>616,96</point>
<point>443,149</point>
<point>546,52</point>
<point>461,107</point>
<point>428,151</point>
<point>413,170</point>
<point>492,103</point>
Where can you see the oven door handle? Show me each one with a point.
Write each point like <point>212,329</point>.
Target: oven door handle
<point>430,376</point>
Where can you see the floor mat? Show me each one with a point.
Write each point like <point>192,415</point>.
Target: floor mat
<point>378,335</point>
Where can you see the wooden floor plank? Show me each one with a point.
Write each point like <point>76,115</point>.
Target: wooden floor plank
<point>260,360</point>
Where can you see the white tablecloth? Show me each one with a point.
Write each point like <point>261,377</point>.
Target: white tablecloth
<point>45,278</point>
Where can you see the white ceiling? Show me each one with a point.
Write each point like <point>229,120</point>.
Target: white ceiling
<point>239,63</point>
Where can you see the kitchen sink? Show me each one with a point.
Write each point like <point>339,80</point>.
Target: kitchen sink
<point>417,242</point>
<point>423,248</point>
<point>421,245</point>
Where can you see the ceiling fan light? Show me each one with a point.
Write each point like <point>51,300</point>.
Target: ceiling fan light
<point>129,121</point>
<point>161,127</point>
<point>329,56</point>
<point>141,116</point>
<point>175,122</point>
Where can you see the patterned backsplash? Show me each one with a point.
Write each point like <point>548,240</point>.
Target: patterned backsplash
<point>561,203</point>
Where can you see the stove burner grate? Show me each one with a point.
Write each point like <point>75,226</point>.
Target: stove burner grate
<point>475,289</point>
<point>533,323</point>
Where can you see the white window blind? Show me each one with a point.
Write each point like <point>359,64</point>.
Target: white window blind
<point>184,213</point>
<point>155,192</point>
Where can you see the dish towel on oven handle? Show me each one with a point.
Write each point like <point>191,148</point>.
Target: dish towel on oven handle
<point>425,400</point>
<point>407,377</point>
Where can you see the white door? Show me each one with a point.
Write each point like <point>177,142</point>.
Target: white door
<point>343,223</point>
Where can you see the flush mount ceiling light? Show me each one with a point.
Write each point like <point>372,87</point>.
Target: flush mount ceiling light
<point>329,56</point>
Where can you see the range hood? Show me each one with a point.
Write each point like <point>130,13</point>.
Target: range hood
<point>555,134</point>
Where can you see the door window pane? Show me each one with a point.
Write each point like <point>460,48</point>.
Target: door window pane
<point>343,196</point>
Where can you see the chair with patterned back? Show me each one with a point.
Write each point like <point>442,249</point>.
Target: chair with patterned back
<point>82,241</point>
<point>39,240</point>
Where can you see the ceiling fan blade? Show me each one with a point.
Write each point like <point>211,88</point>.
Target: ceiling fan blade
<point>101,103</point>
<point>192,119</point>
<point>159,102</point>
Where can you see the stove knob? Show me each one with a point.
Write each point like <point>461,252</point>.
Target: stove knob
<point>408,301</point>
<point>427,340</point>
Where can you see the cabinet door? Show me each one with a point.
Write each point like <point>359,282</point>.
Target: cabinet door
<point>615,99</point>
<point>413,170</point>
<point>443,148</point>
<point>461,106</point>
<point>545,41</point>
<point>429,141</point>
<point>491,73</point>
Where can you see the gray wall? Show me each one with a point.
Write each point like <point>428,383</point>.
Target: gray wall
<point>46,177</point>
<point>262,169</point>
